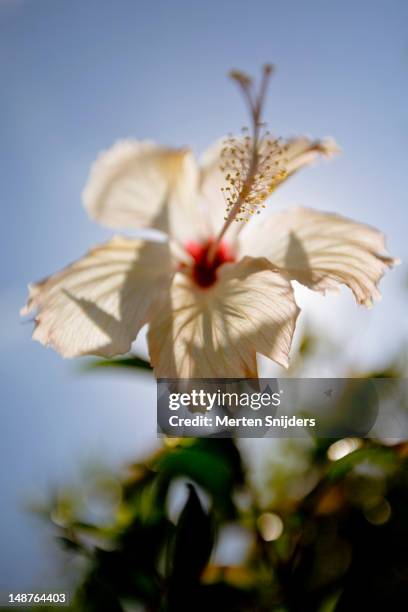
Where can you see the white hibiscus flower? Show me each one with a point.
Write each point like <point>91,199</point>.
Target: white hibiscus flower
<point>213,297</point>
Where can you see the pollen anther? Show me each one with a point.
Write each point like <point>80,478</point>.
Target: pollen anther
<point>252,171</point>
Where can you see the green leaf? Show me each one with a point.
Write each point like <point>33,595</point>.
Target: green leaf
<point>211,465</point>
<point>127,362</point>
<point>384,458</point>
<point>192,547</point>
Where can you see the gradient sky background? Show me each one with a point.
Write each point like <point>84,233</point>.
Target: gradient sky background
<point>77,75</point>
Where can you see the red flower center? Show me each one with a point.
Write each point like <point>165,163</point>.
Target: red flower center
<point>203,271</point>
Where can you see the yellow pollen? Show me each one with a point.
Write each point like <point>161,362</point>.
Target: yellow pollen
<point>251,173</point>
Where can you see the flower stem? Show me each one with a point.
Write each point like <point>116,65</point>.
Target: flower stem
<point>255,104</point>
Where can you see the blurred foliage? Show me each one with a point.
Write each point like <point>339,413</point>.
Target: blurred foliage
<point>343,545</point>
<point>194,527</point>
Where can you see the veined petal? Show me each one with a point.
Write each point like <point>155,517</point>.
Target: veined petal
<point>216,332</point>
<point>302,151</point>
<point>211,181</point>
<point>140,184</point>
<point>322,250</point>
<point>97,305</point>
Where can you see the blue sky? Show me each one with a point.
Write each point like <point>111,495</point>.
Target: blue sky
<point>75,77</point>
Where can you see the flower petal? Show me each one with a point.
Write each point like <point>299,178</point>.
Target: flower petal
<point>302,152</point>
<point>140,184</point>
<point>211,181</point>
<point>98,304</point>
<point>216,332</point>
<point>322,251</point>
